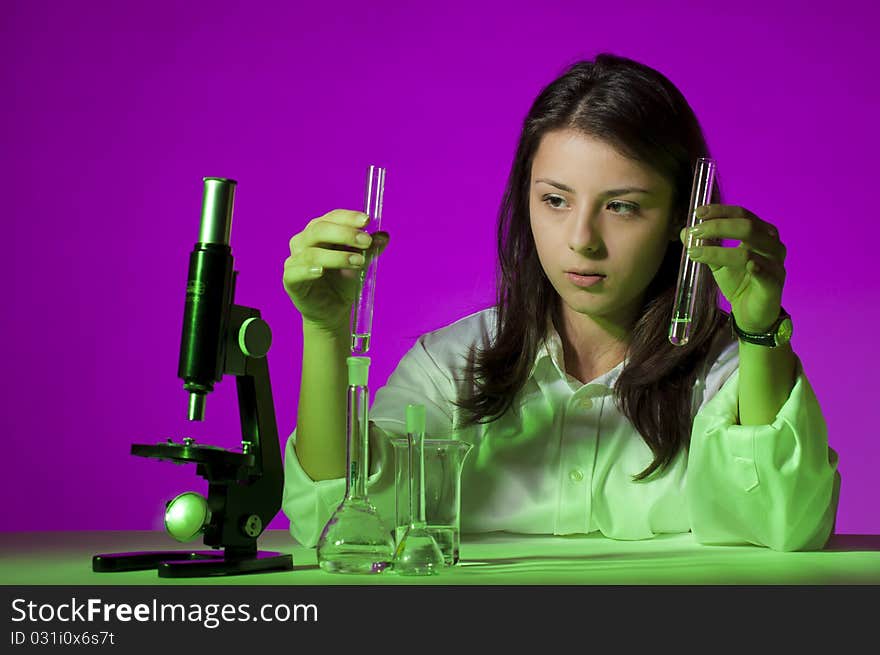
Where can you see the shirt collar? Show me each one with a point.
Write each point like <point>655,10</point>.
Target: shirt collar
<point>551,356</point>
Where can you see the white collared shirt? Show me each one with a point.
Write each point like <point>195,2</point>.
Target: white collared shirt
<point>561,459</point>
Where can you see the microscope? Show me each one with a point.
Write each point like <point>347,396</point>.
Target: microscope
<point>244,488</point>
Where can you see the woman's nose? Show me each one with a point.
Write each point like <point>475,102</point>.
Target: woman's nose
<point>584,234</point>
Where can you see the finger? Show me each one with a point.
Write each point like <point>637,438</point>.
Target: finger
<point>740,258</point>
<point>326,258</point>
<point>345,217</point>
<point>330,234</point>
<point>296,272</point>
<point>718,256</point>
<point>705,212</point>
<point>334,259</point>
<point>756,234</point>
<point>380,242</point>
<point>718,210</point>
<point>689,239</point>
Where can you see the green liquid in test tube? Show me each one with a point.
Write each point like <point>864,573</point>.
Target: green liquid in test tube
<point>689,271</point>
<point>362,313</point>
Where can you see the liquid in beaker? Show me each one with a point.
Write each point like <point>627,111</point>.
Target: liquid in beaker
<point>444,459</point>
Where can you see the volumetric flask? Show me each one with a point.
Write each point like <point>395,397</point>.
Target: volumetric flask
<point>355,539</point>
<point>689,271</point>
<point>362,313</point>
<point>417,552</point>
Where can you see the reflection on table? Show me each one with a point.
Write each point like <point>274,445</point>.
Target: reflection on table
<point>52,558</point>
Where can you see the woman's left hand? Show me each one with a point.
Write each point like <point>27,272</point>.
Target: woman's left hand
<point>751,274</point>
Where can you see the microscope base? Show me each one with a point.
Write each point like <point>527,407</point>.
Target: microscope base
<point>192,564</point>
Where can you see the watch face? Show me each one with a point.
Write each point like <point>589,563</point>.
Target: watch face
<point>783,334</point>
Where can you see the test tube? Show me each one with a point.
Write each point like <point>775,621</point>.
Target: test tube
<point>362,315</point>
<point>689,271</point>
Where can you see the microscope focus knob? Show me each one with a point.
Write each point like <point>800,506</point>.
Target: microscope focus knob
<point>186,516</point>
<point>255,338</point>
<point>252,526</point>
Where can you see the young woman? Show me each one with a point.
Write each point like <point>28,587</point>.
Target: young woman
<point>582,415</point>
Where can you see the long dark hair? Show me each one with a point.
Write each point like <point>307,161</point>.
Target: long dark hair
<point>644,116</point>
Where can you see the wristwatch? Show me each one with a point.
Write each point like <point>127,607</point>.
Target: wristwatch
<point>779,333</point>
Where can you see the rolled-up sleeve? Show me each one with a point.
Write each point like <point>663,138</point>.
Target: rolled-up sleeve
<point>773,485</point>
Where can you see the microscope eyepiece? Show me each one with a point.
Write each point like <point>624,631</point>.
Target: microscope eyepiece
<point>217,202</point>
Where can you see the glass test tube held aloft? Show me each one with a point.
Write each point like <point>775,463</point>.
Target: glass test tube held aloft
<point>362,313</point>
<point>689,271</point>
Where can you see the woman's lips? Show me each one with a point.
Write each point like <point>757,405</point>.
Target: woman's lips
<point>584,280</point>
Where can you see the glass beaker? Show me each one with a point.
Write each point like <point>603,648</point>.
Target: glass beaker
<point>443,461</point>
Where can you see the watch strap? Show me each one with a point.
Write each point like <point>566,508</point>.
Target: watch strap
<point>770,338</point>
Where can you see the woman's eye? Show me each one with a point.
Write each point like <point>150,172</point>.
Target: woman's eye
<point>556,202</point>
<point>624,208</point>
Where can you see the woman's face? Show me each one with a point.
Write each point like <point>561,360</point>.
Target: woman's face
<point>592,210</point>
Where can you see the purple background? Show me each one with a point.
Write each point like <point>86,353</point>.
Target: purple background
<point>114,111</point>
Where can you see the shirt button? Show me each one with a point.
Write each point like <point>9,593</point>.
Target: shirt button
<point>586,402</point>
<point>575,475</point>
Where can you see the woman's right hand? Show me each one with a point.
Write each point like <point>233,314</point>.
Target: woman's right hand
<point>322,274</point>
